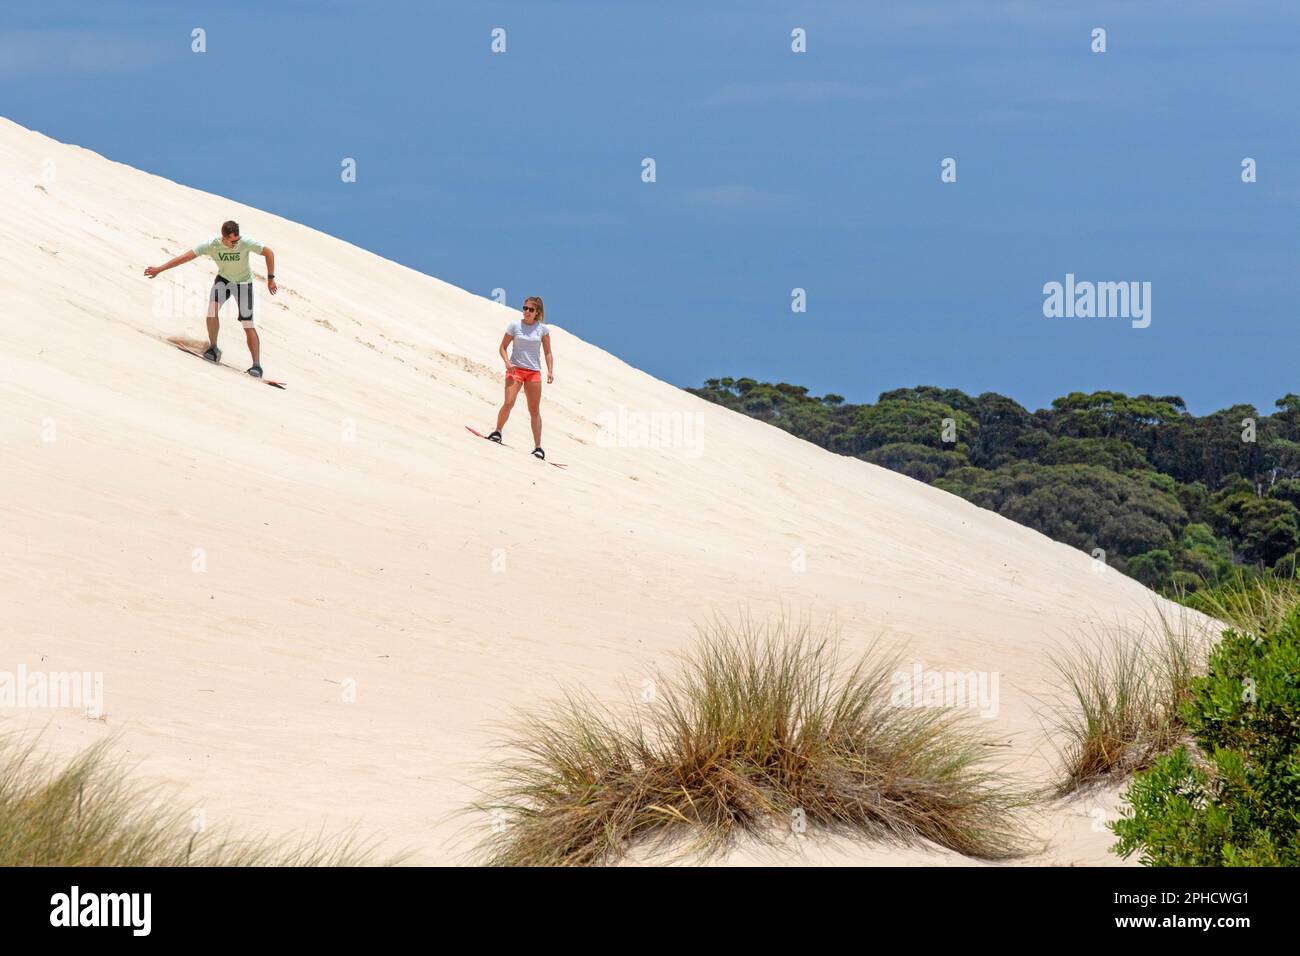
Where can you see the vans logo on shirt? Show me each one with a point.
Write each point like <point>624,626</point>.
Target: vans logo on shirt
<point>229,256</point>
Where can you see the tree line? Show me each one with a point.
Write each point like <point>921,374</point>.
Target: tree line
<point>1177,501</point>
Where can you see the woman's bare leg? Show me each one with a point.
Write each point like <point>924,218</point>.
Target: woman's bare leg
<point>512,392</point>
<point>533,392</point>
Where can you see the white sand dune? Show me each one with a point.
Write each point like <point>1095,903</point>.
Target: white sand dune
<point>352,534</point>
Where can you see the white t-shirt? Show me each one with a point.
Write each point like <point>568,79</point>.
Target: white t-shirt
<point>527,350</point>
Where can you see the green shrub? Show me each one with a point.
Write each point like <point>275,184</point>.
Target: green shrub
<point>1234,798</point>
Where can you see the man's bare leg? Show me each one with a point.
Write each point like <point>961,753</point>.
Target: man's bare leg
<point>254,344</point>
<point>214,323</point>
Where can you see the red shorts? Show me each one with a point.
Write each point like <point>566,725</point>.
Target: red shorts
<point>523,375</point>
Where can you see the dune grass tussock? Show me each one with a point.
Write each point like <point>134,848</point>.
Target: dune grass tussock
<point>760,730</point>
<point>89,813</point>
<point>1121,696</point>
<point>1256,606</point>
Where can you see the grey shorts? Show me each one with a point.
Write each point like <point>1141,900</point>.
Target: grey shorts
<point>241,292</point>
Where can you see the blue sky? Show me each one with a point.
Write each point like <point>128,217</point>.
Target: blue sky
<point>775,170</point>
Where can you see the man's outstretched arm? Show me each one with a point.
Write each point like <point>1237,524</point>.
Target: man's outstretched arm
<point>183,258</point>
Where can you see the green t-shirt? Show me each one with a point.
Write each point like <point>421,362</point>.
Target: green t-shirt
<point>232,263</point>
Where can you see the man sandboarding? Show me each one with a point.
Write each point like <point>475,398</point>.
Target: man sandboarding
<point>234,280</point>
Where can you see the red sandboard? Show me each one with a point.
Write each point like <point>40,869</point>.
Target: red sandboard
<point>474,431</point>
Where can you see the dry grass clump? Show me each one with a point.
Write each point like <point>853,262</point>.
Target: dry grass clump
<point>89,813</point>
<point>1122,693</point>
<point>1255,606</point>
<point>761,729</point>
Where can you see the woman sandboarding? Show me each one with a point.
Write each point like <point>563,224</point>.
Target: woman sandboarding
<point>530,338</point>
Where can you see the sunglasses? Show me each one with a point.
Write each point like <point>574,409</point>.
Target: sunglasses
<point>530,308</point>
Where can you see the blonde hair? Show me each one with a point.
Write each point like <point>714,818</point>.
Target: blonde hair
<point>541,309</point>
